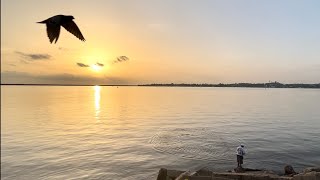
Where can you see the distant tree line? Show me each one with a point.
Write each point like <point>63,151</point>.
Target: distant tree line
<point>251,85</point>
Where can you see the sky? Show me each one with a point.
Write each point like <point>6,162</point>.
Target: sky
<point>163,41</point>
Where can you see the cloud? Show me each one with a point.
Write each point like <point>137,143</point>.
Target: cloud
<point>121,59</point>
<point>14,77</point>
<point>82,65</point>
<point>24,61</point>
<point>63,49</point>
<point>99,64</point>
<point>9,64</point>
<point>86,65</point>
<point>34,57</point>
<point>6,50</point>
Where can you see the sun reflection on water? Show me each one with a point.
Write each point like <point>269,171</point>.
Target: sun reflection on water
<point>97,90</point>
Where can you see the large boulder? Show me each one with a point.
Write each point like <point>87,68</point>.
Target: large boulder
<point>162,174</point>
<point>288,170</point>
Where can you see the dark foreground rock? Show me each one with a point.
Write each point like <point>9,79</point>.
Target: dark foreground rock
<point>307,176</point>
<point>289,171</point>
<point>247,174</point>
<point>310,169</point>
<point>162,174</point>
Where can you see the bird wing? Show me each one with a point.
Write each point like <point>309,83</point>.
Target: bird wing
<point>53,32</point>
<point>73,28</point>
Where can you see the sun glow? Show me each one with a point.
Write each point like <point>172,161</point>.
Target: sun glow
<point>97,90</point>
<point>96,67</point>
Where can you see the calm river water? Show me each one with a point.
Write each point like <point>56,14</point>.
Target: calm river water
<point>100,132</point>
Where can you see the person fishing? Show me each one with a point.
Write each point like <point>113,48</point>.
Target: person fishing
<point>240,153</point>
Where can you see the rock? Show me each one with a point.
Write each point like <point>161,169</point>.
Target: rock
<point>239,170</point>
<point>250,169</point>
<point>288,170</point>
<point>162,174</point>
<point>247,176</point>
<point>307,176</point>
<point>203,172</point>
<point>185,175</point>
<point>269,172</point>
<point>172,174</point>
<point>310,169</point>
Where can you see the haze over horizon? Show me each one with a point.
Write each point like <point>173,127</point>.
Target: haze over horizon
<point>208,41</point>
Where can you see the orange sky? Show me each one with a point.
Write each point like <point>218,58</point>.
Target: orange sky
<point>166,41</point>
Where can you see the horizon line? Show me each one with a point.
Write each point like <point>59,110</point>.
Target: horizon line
<point>155,84</point>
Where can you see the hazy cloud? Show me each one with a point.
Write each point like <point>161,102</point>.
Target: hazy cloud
<point>63,49</point>
<point>121,59</point>
<point>82,65</point>
<point>33,57</point>
<point>24,61</point>
<point>99,64</point>
<point>65,78</point>
<point>6,50</point>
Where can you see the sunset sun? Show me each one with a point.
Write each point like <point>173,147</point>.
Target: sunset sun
<point>96,67</point>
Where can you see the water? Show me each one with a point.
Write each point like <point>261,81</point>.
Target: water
<point>59,132</point>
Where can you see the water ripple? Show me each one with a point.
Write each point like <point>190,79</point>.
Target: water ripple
<point>193,143</point>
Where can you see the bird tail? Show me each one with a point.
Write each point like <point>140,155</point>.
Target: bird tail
<point>42,21</point>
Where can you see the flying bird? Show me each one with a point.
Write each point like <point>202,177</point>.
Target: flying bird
<point>55,22</point>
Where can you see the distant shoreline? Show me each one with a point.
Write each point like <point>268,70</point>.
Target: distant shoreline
<point>64,85</point>
<point>242,85</point>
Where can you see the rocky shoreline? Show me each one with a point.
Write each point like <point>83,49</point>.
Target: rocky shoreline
<point>311,173</point>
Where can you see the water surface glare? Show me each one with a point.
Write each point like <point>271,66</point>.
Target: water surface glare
<point>100,132</point>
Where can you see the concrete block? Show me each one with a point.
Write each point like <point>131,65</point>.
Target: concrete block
<point>307,176</point>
